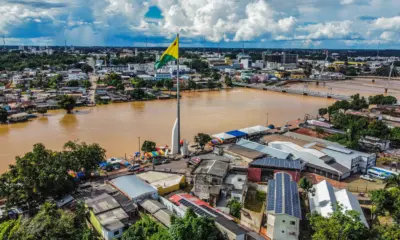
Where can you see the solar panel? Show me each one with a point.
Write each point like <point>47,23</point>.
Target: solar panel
<point>271,195</point>
<point>288,195</point>
<point>296,201</point>
<point>279,200</point>
<point>195,208</point>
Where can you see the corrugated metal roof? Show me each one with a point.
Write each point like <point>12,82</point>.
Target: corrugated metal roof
<point>326,197</point>
<point>133,186</point>
<point>264,149</point>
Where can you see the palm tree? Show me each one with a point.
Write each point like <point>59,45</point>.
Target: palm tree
<point>307,186</point>
<point>392,181</point>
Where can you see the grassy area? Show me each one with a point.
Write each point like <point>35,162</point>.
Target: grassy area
<point>255,200</point>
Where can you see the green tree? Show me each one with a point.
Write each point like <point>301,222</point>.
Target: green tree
<point>218,85</point>
<point>192,85</point>
<point>392,181</point>
<point>53,223</point>
<point>307,187</point>
<point>234,208</point>
<point>216,76</point>
<point>382,201</point>
<point>193,227</point>
<point>67,103</point>
<point>72,83</point>
<point>168,84</point>
<point>82,157</point>
<point>160,83</point>
<point>210,84</point>
<point>34,177</point>
<point>148,146</point>
<point>378,129</point>
<point>228,81</point>
<point>386,232</point>
<point>86,68</point>
<point>338,226</point>
<point>319,131</point>
<point>42,110</point>
<point>382,100</point>
<point>357,103</point>
<point>145,229</point>
<point>202,139</point>
<point>322,111</point>
<point>3,115</point>
<point>20,86</point>
<point>138,94</point>
<point>86,84</point>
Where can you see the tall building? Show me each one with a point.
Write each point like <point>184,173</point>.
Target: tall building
<point>280,60</point>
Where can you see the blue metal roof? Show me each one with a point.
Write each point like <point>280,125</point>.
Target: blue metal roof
<point>283,196</point>
<point>133,186</point>
<point>237,133</point>
<point>276,163</point>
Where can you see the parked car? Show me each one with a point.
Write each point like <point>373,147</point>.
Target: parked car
<point>368,178</point>
<point>134,167</point>
<point>114,160</point>
<point>166,161</point>
<point>139,170</point>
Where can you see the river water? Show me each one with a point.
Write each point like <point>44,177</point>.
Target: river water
<point>116,127</point>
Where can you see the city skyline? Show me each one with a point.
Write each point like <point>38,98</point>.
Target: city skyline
<point>344,24</point>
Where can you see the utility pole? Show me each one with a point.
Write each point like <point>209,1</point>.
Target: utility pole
<point>267,119</point>
<point>139,145</point>
<point>390,75</point>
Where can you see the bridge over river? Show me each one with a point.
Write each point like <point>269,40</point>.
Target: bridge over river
<point>305,91</point>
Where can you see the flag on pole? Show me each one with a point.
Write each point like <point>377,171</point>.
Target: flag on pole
<point>171,54</point>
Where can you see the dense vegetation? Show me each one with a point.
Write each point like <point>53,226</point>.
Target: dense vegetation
<point>42,173</point>
<point>17,62</point>
<point>189,227</point>
<point>49,223</point>
<point>357,126</point>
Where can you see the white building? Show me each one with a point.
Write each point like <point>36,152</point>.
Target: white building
<point>283,208</point>
<point>326,199</point>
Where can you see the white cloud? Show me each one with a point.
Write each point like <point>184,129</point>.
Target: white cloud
<point>389,36</point>
<point>328,30</point>
<point>387,23</point>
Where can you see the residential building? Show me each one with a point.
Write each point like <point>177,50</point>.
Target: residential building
<point>162,181</point>
<point>162,75</point>
<point>283,208</point>
<point>134,188</point>
<point>235,186</point>
<point>158,211</point>
<point>225,223</point>
<point>107,216</point>
<point>325,200</point>
<point>208,179</point>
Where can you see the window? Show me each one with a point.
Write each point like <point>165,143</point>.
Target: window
<point>116,233</point>
<point>292,223</point>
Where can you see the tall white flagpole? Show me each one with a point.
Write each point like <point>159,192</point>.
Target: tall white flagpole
<point>178,113</point>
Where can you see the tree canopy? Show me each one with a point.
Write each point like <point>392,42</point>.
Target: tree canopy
<point>67,103</point>
<point>3,115</point>
<point>43,173</point>
<point>234,208</point>
<point>189,227</point>
<point>202,139</point>
<point>338,226</point>
<point>49,223</point>
<point>148,146</point>
<point>382,100</point>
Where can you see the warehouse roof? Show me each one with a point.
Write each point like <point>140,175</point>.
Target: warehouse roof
<point>132,186</point>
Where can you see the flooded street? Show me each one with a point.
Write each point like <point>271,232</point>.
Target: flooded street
<point>116,127</point>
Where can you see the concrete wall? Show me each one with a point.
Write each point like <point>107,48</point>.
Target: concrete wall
<point>165,190</point>
<point>280,227</point>
<point>172,207</point>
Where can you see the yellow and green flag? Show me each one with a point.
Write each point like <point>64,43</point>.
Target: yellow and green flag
<point>172,54</point>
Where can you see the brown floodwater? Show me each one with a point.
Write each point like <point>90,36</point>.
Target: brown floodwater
<point>116,127</point>
<point>358,85</point>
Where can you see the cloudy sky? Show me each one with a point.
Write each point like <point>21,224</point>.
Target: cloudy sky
<point>355,24</point>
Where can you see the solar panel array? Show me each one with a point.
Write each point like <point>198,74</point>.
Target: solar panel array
<point>195,208</point>
<point>288,194</point>
<point>271,195</point>
<point>283,196</point>
<point>277,163</point>
<point>296,201</point>
<point>279,194</point>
